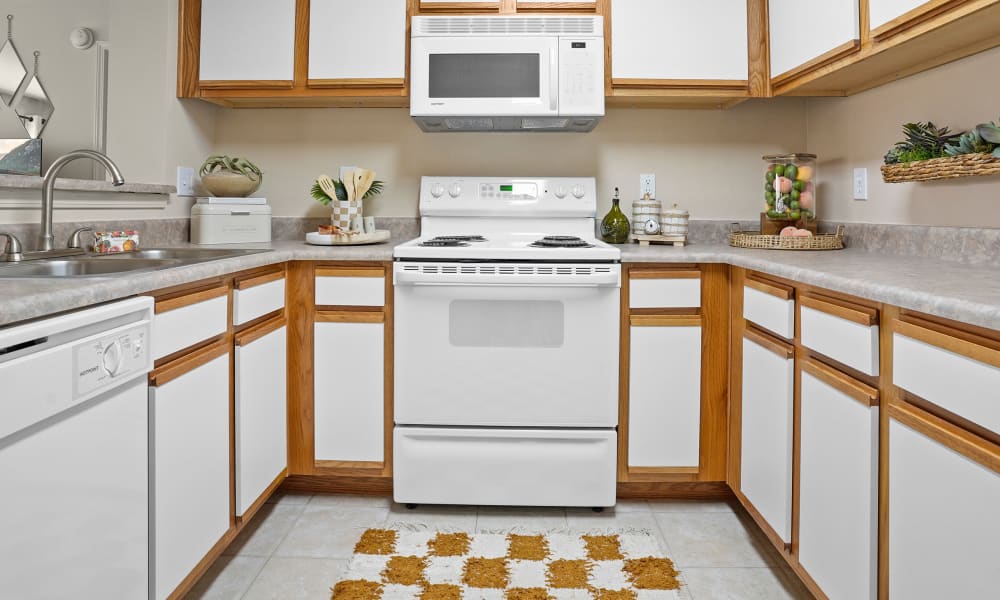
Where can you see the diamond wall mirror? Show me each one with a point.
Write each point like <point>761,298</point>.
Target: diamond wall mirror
<point>34,107</point>
<point>12,71</point>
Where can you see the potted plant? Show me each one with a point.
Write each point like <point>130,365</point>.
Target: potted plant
<point>345,197</point>
<point>227,177</point>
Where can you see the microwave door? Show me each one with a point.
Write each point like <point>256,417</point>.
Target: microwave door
<point>485,76</point>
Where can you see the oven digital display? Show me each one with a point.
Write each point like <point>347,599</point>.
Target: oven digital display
<point>506,188</point>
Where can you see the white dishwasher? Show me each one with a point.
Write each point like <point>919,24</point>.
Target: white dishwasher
<point>74,454</point>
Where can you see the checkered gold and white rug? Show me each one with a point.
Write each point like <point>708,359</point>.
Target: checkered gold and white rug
<point>395,564</point>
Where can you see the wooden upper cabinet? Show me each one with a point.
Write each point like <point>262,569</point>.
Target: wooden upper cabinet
<point>247,43</point>
<point>349,46</point>
<point>684,53</point>
<point>814,54</point>
<point>807,34</point>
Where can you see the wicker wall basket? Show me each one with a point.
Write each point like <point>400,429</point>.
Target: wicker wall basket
<point>754,239</point>
<point>949,167</point>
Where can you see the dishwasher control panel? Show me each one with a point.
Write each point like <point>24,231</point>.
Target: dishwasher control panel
<point>117,355</point>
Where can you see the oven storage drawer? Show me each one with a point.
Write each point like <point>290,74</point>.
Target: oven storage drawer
<point>526,467</point>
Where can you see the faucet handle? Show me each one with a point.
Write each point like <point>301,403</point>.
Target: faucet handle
<point>12,251</point>
<point>74,238</point>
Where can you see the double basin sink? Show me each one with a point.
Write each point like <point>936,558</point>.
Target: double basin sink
<point>92,265</point>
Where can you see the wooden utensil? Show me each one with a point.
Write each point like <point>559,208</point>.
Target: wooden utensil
<point>349,185</point>
<point>364,183</point>
<point>329,188</point>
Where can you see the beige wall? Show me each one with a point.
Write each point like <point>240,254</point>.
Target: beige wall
<point>857,131</point>
<point>706,161</point>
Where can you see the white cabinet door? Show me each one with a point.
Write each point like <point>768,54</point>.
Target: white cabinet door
<point>664,396</point>
<point>189,471</point>
<point>261,416</point>
<point>357,40</point>
<point>675,39</point>
<point>349,405</point>
<point>943,521</point>
<point>838,490</point>
<point>247,40</point>
<point>882,11</point>
<point>802,30</point>
<point>766,435</point>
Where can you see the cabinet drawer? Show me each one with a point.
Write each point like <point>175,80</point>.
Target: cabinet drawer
<point>257,297</point>
<point>183,322</point>
<point>846,334</point>
<point>350,287</point>
<point>941,369</point>
<point>665,289</point>
<point>770,306</point>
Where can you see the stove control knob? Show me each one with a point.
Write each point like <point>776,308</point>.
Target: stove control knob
<point>578,191</point>
<point>437,190</point>
<point>455,190</point>
<point>560,191</point>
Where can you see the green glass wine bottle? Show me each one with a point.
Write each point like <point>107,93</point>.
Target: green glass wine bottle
<point>614,226</point>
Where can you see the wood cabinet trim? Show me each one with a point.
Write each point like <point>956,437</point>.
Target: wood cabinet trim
<point>302,41</point>
<point>782,349</point>
<point>856,314</point>
<point>788,77</point>
<point>665,320</point>
<point>351,468</point>
<point>758,50</point>
<point>861,392</point>
<point>928,10</point>
<point>585,7</point>
<point>714,85</point>
<point>935,335</point>
<point>258,331</point>
<point>459,7</point>
<point>180,301</point>
<point>949,435</point>
<point>659,273</point>
<point>774,289</point>
<point>246,84</point>
<point>331,271</point>
<point>188,48</point>
<point>259,503</point>
<point>300,309</point>
<point>245,283</point>
<point>349,316</point>
<point>624,356</point>
<point>373,82</point>
<point>189,362</point>
<point>666,474</point>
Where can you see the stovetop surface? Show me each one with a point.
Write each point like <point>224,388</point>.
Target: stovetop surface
<point>499,246</point>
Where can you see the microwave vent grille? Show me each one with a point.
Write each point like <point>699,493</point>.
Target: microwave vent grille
<point>552,26</point>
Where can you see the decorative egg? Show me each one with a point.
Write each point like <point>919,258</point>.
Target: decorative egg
<point>652,227</point>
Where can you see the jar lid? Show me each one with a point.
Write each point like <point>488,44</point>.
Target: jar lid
<point>792,156</point>
<point>674,212</point>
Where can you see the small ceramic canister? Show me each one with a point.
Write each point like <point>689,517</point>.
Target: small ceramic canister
<point>674,221</point>
<point>644,210</point>
<point>369,224</point>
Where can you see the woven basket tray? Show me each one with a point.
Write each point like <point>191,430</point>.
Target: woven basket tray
<point>948,167</point>
<point>754,239</point>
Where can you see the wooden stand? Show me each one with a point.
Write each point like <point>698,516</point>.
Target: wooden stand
<point>645,240</point>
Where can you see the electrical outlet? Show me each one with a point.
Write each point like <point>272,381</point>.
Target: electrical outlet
<point>185,181</point>
<point>861,183</point>
<point>647,185</point>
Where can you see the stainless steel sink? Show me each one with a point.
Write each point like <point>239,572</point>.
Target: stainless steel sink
<point>114,264</point>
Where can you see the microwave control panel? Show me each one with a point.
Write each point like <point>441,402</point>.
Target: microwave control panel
<point>581,76</point>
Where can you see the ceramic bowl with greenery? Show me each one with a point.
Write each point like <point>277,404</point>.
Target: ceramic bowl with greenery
<point>230,177</point>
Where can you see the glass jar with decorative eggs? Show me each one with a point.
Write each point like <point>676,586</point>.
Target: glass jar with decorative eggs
<point>790,189</point>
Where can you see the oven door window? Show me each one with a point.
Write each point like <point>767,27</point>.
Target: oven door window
<point>484,75</point>
<point>506,324</point>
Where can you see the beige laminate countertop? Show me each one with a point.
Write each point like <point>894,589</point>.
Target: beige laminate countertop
<point>967,293</point>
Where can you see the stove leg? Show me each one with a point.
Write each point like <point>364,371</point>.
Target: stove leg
<point>598,509</point>
<point>410,506</point>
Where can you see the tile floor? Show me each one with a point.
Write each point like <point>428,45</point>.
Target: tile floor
<point>299,544</point>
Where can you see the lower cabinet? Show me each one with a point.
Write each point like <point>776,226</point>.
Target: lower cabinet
<point>943,512</point>
<point>189,465</point>
<point>838,490</point>
<point>261,411</point>
<point>664,391</point>
<point>766,430</point>
<point>349,387</point>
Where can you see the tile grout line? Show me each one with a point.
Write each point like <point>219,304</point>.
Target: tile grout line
<point>276,546</point>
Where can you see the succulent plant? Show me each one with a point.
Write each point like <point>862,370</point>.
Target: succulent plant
<point>923,141</point>
<point>970,143</point>
<point>990,133</point>
<point>236,164</point>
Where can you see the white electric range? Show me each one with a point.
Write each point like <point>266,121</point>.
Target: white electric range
<point>506,335</point>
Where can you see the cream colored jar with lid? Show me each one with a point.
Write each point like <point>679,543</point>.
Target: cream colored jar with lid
<point>644,209</point>
<point>674,221</point>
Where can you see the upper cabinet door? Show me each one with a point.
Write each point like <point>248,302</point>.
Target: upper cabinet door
<point>678,40</point>
<point>351,40</point>
<point>806,33</point>
<point>247,40</point>
<point>888,16</point>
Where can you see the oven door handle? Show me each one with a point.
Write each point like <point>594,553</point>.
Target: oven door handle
<point>612,279</point>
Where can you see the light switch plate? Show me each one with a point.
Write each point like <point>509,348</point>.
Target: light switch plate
<point>861,183</point>
<point>185,181</point>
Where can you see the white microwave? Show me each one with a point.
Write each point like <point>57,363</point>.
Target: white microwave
<point>507,73</point>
